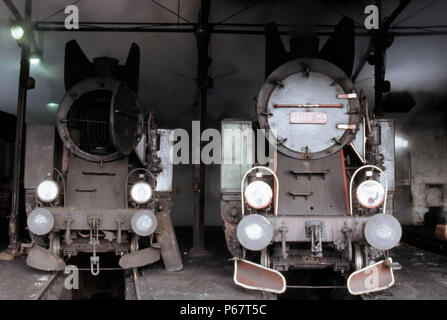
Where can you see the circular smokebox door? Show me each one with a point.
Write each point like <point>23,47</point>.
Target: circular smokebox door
<point>299,103</point>
<point>125,121</point>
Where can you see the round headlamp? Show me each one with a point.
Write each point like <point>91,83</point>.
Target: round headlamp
<point>370,194</point>
<point>258,194</point>
<point>144,223</point>
<point>255,232</point>
<point>40,221</point>
<point>141,192</point>
<point>383,231</point>
<point>47,191</point>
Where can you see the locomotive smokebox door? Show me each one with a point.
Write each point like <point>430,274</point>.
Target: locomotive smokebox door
<point>125,119</point>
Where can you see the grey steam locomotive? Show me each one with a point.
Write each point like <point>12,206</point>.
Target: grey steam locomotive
<point>104,182</point>
<point>324,198</point>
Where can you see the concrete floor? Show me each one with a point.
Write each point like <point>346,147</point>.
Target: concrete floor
<point>423,276</point>
<point>205,276</point>
<point>19,282</point>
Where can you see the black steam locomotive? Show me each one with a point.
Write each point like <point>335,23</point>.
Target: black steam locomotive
<point>104,182</point>
<point>324,199</point>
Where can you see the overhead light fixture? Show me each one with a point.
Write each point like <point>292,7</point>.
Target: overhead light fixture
<point>35,57</point>
<point>17,32</point>
<point>52,105</point>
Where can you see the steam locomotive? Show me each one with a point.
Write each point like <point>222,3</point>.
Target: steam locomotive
<point>104,182</point>
<point>324,198</point>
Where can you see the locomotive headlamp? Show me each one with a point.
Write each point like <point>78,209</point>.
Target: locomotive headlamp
<point>144,223</point>
<point>47,191</point>
<point>254,232</point>
<point>370,194</point>
<point>141,192</point>
<point>258,194</point>
<point>40,221</point>
<point>383,231</point>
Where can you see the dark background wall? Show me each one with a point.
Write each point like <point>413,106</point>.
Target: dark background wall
<point>415,64</point>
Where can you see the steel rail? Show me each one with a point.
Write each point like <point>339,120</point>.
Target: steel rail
<point>45,288</point>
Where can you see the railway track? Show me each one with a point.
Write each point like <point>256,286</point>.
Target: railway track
<point>47,292</point>
<point>132,286</point>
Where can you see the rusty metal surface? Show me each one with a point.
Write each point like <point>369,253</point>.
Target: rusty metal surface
<point>257,277</point>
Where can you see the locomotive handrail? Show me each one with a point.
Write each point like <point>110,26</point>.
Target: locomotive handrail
<point>153,185</point>
<point>352,180</point>
<point>275,194</point>
<point>63,183</point>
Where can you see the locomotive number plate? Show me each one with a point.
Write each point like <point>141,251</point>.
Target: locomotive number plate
<point>308,117</point>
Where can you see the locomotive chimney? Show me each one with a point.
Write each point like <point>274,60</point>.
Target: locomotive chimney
<point>304,46</point>
<point>105,67</point>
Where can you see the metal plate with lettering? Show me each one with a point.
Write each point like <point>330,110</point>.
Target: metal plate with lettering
<point>308,117</point>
